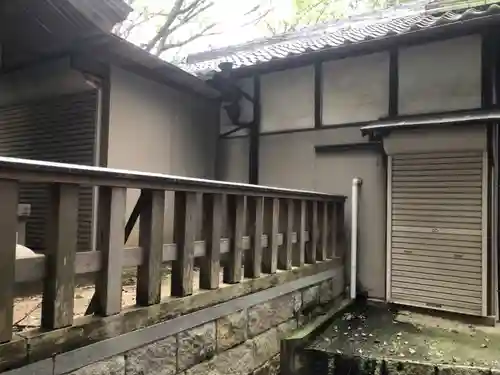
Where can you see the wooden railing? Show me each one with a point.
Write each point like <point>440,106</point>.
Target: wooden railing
<point>291,227</point>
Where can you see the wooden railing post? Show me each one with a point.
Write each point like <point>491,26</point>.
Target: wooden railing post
<point>151,241</point>
<point>299,248</point>
<point>111,231</point>
<point>286,228</point>
<point>236,223</point>
<point>255,229</point>
<point>185,230</point>
<point>332,253</point>
<point>341,235</point>
<point>213,225</point>
<point>59,286</point>
<point>8,227</point>
<point>271,222</point>
<point>312,224</point>
<point>322,250</point>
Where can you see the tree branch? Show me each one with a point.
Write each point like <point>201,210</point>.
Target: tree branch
<point>203,32</point>
<point>174,12</point>
<point>186,19</point>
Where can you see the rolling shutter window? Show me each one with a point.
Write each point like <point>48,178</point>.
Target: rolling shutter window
<point>59,129</point>
<point>436,231</point>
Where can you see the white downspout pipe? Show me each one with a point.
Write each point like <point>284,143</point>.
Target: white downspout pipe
<point>356,183</point>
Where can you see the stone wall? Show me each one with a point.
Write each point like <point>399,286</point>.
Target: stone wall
<point>241,343</point>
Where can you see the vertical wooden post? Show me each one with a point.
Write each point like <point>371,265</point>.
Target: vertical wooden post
<point>213,224</point>
<point>322,250</point>
<point>312,220</point>
<point>299,248</point>
<point>59,282</point>
<point>9,191</point>
<point>341,235</point>
<point>236,222</point>
<point>271,221</point>
<point>151,241</point>
<point>253,258</point>
<point>185,229</point>
<point>286,228</point>
<point>333,231</point>
<point>111,232</point>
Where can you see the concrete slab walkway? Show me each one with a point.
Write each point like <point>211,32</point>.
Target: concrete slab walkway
<point>370,338</point>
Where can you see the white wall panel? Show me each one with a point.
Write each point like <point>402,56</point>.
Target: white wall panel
<point>287,99</point>
<point>440,76</point>
<point>155,128</point>
<point>355,89</point>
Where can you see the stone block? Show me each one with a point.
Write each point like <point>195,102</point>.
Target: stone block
<point>158,358</point>
<point>326,291</point>
<point>231,330</point>
<point>370,366</point>
<point>271,367</point>
<point>236,361</point>
<point>196,345</point>
<point>285,329</point>
<point>111,366</point>
<point>266,346</point>
<point>310,297</point>
<point>395,367</point>
<point>461,370</point>
<point>269,314</point>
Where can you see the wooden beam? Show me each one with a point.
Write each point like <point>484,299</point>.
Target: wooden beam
<point>332,253</point>
<point>253,175</point>
<point>129,226</point>
<point>213,226</point>
<point>111,231</point>
<point>59,283</point>
<point>236,223</point>
<point>286,227</point>
<point>9,198</point>
<point>185,229</point>
<point>300,227</point>
<point>29,270</point>
<point>312,220</point>
<point>393,82</point>
<point>318,94</point>
<point>151,240</point>
<point>253,258</point>
<point>341,234</point>
<point>271,223</point>
<point>322,250</point>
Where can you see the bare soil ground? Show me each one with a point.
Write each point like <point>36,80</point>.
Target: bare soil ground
<point>27,310</point>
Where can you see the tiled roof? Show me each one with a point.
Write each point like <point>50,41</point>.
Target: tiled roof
<point>390,22</point>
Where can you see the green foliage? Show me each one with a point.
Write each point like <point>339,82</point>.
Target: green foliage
<point>311,12</point>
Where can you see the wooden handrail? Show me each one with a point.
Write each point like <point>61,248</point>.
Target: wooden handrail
<point>238,222</point>
<point>51,172</point>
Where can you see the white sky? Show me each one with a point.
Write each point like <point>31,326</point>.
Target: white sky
<point>233,27</point>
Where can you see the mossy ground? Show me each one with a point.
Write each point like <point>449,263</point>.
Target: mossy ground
<point>379,332</point>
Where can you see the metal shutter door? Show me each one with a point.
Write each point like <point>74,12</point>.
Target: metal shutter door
<point>60,129</point>
<point>436,226</point>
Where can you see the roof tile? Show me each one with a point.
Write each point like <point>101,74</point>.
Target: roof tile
<point>331,35</point>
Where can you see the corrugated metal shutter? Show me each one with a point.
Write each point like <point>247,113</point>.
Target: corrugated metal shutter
<point>60,129</point>
<point>436,224</point>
